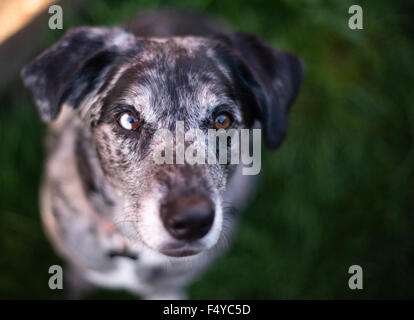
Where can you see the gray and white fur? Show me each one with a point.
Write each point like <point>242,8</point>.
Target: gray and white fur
<point>105,203</point>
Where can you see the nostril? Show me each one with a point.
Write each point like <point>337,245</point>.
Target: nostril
<point>179,225</point>
<point>188,222</point>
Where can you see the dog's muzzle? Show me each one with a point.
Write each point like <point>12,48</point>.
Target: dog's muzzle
<point>187,218</point>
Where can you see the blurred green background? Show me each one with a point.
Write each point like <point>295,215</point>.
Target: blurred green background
<point>339,192</point>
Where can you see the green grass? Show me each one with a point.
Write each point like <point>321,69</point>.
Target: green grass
<point>339,192</point>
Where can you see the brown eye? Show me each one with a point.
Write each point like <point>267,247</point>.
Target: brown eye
<point>222,121</point>
<point>128,121</point>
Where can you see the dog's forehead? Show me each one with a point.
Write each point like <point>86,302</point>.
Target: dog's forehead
<point>177,78</point>
<point>188,46</point>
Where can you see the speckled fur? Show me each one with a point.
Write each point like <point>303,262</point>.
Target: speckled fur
<point>102,191</point>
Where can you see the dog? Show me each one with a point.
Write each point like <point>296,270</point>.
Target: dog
<point>119,219</point>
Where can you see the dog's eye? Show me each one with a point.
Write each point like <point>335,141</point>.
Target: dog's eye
<point>128,121</point>
<point>222,121</point>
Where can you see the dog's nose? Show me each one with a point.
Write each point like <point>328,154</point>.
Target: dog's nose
<point>187,219</point>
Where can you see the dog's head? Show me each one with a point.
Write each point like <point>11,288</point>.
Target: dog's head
<point>126,88</point>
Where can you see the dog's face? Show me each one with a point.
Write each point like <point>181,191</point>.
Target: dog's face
<point>127,89</point>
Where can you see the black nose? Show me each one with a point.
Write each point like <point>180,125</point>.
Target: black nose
<point>187,219</point>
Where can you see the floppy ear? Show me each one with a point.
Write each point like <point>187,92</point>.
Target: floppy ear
<point>272,77</point>
<point>69,69</point>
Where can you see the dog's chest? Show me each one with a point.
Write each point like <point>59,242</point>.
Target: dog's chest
<point>124,275</point>
<point>149,270</point>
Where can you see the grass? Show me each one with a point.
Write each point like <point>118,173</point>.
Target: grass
<point>339,192</point>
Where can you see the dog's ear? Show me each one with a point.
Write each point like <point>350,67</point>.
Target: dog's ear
<point>272,79</point>
<point>68,70</point>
